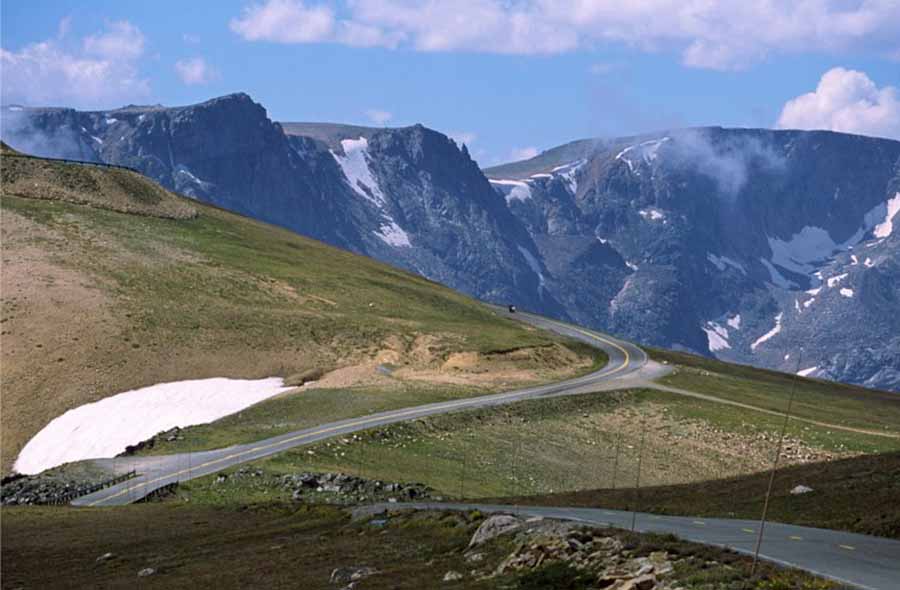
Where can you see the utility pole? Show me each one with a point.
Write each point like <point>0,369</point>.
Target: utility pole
<point>637,487</point>
<point>616,460</point>
<point>765,512</point>
<point>462,475</point>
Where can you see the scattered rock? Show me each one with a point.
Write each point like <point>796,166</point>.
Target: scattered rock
<point>147,571</point>
<point>347,575</point>
<point>474,557</point>
<point>496,525</point>
<point>801,489</point>
<point>105,557</point>
<point>452,576</point>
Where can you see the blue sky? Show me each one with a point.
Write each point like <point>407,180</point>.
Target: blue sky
<point>508,77</point>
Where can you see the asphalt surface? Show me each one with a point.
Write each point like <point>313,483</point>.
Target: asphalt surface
<point>871,563</point>
<point>155,472</point>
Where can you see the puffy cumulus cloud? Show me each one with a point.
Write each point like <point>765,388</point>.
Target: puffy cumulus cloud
<point>195,71</point>
<point>100,71</point>
<point>847,101</point>
<point>730,34</point>
<point>285,21</point>
<point>121,40</point>
<point>379,116</point>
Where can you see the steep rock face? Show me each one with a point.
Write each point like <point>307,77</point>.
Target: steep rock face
<point>408,196</point>
<point>745,244</point>
<point>736,242</point>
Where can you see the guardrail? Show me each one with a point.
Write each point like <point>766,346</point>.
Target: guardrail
<point>159,492</point>
<point>67,498</point>
<point>77,162</point>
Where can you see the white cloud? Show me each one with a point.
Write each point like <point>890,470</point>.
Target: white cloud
<point>848,101</point>
<point>729,34</point>
<point>101,72</point>
<point>195,71</point>
<point>525,153</point>
<point>122,40</point>
<point>379,116</point>
<point>285,21</point>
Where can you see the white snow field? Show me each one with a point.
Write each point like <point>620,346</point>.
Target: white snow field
<point>106,427</point>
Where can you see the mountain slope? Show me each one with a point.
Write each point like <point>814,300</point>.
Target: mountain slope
<point>716,241</point>
<point>407,196</point>
<point>110,283</point>
<point>746,244</point>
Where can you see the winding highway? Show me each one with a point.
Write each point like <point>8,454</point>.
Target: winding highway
<point>866,562</point>
<point>154,472</point>
<point>863,561</point>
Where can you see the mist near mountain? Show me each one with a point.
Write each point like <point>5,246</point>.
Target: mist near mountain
<point>745,244</point>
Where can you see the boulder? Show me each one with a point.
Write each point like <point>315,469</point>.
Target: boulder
<point>800,490</point>
<point>499,524</point>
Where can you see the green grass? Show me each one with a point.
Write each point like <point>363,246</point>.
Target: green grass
<point>824,401</point>
<point>540,447</point>
<point>312,407</point>
<point>278,545</point>
<point>213,295</point>
<point>858,494</point>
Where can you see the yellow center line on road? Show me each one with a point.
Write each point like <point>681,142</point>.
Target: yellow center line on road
<point>398,414</point>
<point>699,523</point>
<point>847,547</point>
<point>751,531</point>
<point>795,538</point>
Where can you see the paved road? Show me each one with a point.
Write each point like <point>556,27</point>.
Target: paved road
<point>154,472</point>
<point>871,563</point>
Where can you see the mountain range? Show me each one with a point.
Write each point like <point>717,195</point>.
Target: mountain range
<point>772,248</point>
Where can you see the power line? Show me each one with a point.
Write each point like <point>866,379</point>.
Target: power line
<point>787,415</point>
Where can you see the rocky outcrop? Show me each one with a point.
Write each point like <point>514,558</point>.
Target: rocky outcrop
<point>743,244</point>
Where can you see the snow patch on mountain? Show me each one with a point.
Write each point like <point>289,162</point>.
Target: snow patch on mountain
<point>513,190</point>
<point>567,172</point>
<point>652,214</point>
<point>735,322</point>
<point>886,227</point>
<point>104,428</point>
<point>184,172</point>
<point>646,152</point>
<point>393,235</point>
<point>771,333</point>
<point>835,280</point>
<point>807,372</point>
<point>355,165</point>
<point>810,245</point>
<point>716,336</point>
<point>846,292</point>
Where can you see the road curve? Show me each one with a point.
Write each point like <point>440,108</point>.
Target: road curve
<point>863,561</point>
<point>157,471</point>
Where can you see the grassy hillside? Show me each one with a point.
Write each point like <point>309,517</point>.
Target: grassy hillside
<point>857,494</point>
<point>549,446</point>
<point>814,400</point>
<point>111,283</point>
<point>288,546</point>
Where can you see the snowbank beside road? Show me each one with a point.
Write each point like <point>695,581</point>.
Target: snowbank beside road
<point>106,427</point>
